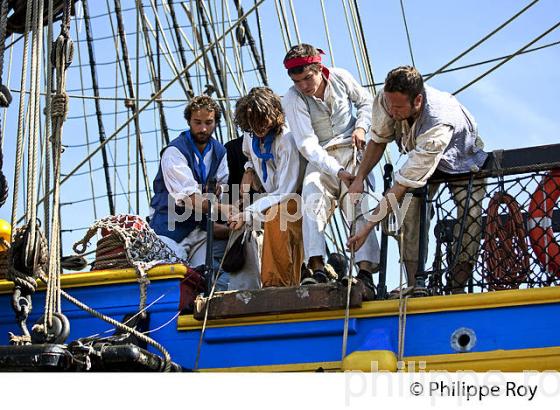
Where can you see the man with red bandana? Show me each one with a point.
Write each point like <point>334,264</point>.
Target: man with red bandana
<point>319,112</point>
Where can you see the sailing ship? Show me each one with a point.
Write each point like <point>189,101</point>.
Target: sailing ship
<point>84,69</point>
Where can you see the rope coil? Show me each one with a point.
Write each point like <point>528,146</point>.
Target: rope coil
<point>505,252</point>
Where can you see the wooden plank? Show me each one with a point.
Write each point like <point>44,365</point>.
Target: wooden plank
<point>277,300</point>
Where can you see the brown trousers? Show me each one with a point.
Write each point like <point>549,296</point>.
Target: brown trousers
<point>282,254</point>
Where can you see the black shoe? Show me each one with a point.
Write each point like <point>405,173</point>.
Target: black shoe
<point>344,280</point>
<point>365,278</point>
<point>319,276</point>
<point>363,275</point>
<point>339,263</point>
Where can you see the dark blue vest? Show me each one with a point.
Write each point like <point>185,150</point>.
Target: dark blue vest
<point>159,220</point>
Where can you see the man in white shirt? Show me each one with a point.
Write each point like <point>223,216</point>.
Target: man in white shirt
<point>435,132</point>
<point>274,159</point>
<point>319,112</point>
<point>187,164</point>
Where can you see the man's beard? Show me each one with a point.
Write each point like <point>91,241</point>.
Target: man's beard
<point>200,138</point>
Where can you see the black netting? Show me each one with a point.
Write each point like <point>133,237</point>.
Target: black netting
<point>495,233</point>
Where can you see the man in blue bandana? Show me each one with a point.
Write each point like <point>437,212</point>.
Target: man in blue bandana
<point>187,164</point>
<point>275,163</point>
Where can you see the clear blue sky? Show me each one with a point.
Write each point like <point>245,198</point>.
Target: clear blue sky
<point>515,106</point>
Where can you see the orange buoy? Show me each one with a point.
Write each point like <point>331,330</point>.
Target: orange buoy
<point>5,234</point>
<point>539,222</point>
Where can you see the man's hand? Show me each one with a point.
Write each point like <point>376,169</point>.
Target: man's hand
<point>227,211</point>
<point>236,221</point>
<point>221,231</point>
<point>355,242</point>
<point>356,189</point>
<point>346,177</point>
<point>359,138</point>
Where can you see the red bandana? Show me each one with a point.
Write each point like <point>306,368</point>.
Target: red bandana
<point>301,61</point>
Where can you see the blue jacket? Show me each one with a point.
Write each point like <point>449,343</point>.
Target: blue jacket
<point>159,220</point>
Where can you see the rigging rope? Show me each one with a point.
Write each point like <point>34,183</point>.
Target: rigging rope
<point>62,55</point>
<point>327,32</point>
<point>261,44</point>
<point>207,307</point>
<point>362,81</point>
<point>258,57</point>
<point>355,10</point>
<point>554,27</point>
<point>403,305</point>
<point>242,87</point>
<point>134,108</point>
<point>86,128</point>
<point>169,55</point>
<point>283,31</point>
<point>155,68</point>
<point>120,326</point>
<point>353,220</point>
<point>5,97</point>
<point>407,34</point>
<point>294,21</point>
<point>98,113</point>
<point>155,96</point>
<point>181,48</point>
<point>482,40</point>
<point>217,80</point>
<point>26,255</point>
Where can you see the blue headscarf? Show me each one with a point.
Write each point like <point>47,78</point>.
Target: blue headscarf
<point>201,165</point>
<point>267,154</point>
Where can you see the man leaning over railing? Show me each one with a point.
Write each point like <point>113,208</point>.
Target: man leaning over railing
<point>435,132</point>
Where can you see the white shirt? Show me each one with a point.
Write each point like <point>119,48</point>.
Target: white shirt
<point>423,152</point>
<point>178,177</point>
<point>311,146</point>
<point>284,172</point>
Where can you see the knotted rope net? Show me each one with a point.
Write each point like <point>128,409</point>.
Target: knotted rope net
<point>127,241</point>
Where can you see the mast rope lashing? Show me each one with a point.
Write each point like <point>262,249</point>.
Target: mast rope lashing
<point>26,262</point>
<point>61,57</point>
<point>59,106</point>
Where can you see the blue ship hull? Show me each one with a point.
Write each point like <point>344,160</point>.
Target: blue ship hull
<point>514,330</point>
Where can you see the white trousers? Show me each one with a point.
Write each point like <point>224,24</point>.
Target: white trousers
<point>321,193</point>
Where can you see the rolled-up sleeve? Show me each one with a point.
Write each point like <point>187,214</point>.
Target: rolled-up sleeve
<point>382,125</point>
<point>177,175</point>
<point>423,160</point>
<point>306,140</point>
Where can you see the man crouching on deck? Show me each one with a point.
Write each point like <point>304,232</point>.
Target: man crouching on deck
<point>186,166</point>
<point>274,159</point>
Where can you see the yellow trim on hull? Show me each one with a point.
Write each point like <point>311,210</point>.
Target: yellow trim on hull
<point>474,301</point>
<point>297,367</point>
<point>541,359</point>
<point>108,277</point>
